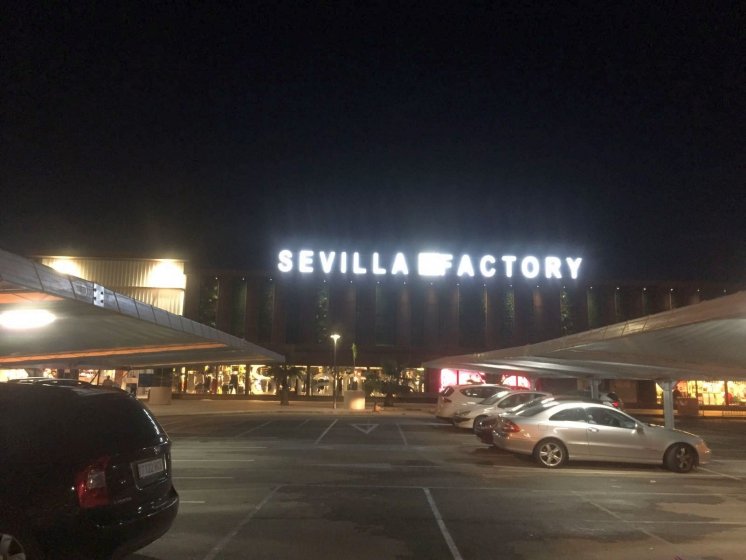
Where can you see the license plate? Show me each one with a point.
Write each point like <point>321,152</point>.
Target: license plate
<point>149,468</point>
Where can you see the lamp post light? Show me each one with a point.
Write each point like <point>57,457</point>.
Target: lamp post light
<point>335,337</point>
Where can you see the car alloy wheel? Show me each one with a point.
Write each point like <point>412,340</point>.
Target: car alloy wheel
<point>10,548</point>
<point>550,453</point>
<point>680,458</point>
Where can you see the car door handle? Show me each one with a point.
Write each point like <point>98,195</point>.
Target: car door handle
<point>594,430</point>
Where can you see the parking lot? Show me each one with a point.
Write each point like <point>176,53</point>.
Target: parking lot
<point>404,485</point>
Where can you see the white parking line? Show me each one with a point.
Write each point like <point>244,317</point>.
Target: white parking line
<point>217,549</point>
<point>401,432</point>
<point>252,429</point>
<point>441,524</point>
<point>720,474</point>
<point>620,519</point>
<point>325,432</point>
<point>215,460</point>
<point>203,478</point>
<point>529,471</point>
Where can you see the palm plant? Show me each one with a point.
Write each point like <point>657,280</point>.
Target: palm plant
<point>284,374</point>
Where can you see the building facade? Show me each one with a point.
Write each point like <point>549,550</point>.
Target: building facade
<point>401,321</point>
<point>391,319</point>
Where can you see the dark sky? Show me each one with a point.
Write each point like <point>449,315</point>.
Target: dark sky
<point>223,133</point>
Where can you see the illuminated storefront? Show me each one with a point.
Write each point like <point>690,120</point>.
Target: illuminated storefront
<point>709,393</point>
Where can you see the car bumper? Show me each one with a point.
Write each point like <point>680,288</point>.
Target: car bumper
<point>509,442</point>
<point>462,422</point>
<point>98,535</point>
<point>704,454</point>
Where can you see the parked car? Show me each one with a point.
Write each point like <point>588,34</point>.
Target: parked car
<point>606,397</point>
<point>556,431</point>
<point>50,381</point>
<point>86,473</point>
<point>454,396</point>
<point>467,415</point>
<point>484,426</point>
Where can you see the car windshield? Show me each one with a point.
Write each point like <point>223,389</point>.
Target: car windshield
<point>537,406</point>
<point>494,398</point>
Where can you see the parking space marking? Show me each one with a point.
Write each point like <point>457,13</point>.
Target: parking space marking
<point>365,428</point>
<point>215,460</point>
<point>252,429</point>
<point>403,437</point>
<point>203,477</point>
<point>303,423</point>
<point>592,472</point>
<point>218,548</point>
<point>720,474</point>
<point>217,448</point>
<point>325,432</point>
<point>442,526</point>
<point>620,519</point>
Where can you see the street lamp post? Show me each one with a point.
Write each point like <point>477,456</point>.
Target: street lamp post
<point>335,337</point>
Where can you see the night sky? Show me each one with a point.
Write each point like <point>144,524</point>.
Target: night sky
<point>221,134</point>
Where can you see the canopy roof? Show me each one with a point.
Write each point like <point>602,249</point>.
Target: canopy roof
<point>98,328</point>
<point>706,340</point>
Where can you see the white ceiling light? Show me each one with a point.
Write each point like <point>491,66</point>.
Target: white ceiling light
<point>20,319</point>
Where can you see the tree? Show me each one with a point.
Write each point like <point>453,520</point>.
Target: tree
<point>388,381</point>
<point>283,374</point>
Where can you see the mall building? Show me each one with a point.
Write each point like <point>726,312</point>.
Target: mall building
<point>393,312</point>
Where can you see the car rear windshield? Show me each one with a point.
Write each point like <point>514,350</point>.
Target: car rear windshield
<point>479,391</point>
<point>496,397</point>
<point>48,426</point>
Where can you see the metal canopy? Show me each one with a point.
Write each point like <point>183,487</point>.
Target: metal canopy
<point>706,340</point>
<point>98,328</point>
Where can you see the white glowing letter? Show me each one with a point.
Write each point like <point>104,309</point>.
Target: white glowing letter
<point>343,262</point>
<point>376,266</point>
<point>400,265</point>
<point>508,260</point>
<point>305,261</point>
<point>552,267</point>
<point>434,264</point>
<point>486,266</point>
<point>286,261</point>
<point>356,268</point>
<point>327,261</point>
<point>530,267</point>
<point>465,266</point>
<point>574,265</point>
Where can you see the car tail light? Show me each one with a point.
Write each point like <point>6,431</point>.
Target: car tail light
<point>90,484</point>
<point>615,404</point>
<point>510,426</point>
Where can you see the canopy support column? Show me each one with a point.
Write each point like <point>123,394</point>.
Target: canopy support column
<point>668,416</point>
<point>595,382</point>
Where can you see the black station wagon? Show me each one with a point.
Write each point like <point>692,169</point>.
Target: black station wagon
<point>86,473</point>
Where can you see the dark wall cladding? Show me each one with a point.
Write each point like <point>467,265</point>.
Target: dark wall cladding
<point>418,320</point>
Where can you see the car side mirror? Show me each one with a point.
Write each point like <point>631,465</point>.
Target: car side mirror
<point>639,428</point>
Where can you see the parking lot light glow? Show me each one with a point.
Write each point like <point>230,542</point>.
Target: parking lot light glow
<point>21,319</point>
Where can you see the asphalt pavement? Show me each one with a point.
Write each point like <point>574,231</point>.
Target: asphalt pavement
<point>233,406</point>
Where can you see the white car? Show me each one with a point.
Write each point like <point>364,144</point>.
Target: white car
<point>453,397</point>
<point>469,415</point>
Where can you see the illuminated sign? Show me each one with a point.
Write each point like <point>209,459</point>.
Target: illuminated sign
<point>428,264</point>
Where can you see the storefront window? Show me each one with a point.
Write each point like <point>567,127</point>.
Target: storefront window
<point>710,393</point>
